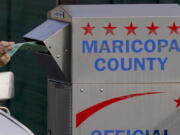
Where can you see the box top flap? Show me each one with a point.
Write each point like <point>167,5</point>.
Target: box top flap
<point>123,10</point>
<point>45,30</point>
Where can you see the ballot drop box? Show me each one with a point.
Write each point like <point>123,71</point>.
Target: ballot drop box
<point>112,69</point>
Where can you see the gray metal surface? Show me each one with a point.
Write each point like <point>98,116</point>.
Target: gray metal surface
<point>45,30</point>
<point>145,112</point>
<point>55,35</point>
<point>83,63</point>
<point>68,12</point>
<point>117,10</point>
<point>106,98</point>
<point>59,108</point>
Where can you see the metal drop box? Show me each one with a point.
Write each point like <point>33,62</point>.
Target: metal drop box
<point>120,67</point>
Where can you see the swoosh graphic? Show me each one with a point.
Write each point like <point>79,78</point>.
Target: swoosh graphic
<point>85,114</point>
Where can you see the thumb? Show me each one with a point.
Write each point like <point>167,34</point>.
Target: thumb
<point>4,59</point>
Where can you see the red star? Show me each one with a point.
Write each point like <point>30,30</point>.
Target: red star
<point>131,29</point>
<point>178,102</point>
<point>88,29</point>
<point>152,29</point>
<point>174,28</point>
<point>109,29</point>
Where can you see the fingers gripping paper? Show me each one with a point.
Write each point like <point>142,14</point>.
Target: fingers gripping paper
<point>29,46</point>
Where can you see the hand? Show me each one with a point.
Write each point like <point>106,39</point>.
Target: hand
<point>4,47</point>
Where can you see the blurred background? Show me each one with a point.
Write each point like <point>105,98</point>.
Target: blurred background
<point>17,17</point>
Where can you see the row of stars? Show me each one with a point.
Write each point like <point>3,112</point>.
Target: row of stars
<point>131,29</point>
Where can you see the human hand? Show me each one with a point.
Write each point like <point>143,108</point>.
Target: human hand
<point>4,47</point>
